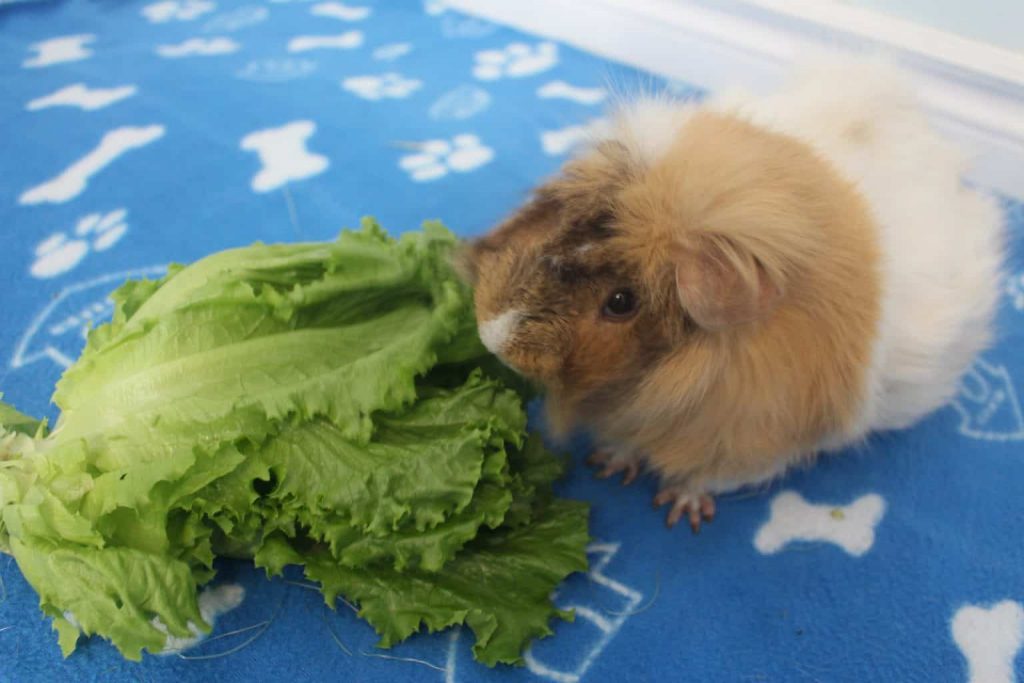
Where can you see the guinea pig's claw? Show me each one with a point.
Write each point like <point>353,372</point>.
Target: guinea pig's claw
<point>696,507</point>
<point>707,507</point>
<point>631,469</point>
<point>598,458</point>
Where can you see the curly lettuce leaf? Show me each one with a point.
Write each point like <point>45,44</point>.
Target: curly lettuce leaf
<point>499,586</point>
<point>331,397</point>
<point>431,476</point>
<point>339,330</point>
<point>117,592</point>
<point>12,420</point>
<point>422,465</point>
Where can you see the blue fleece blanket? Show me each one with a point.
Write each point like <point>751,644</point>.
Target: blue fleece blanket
<point>136,134</point>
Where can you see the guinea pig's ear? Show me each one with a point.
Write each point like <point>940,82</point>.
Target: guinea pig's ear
<point>721,285</point>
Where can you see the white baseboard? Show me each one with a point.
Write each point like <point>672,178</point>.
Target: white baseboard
<point>907,37</point>
<point>975,92</point>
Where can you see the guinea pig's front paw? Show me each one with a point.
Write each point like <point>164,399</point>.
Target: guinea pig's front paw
<point>684,501</point>
<point>611,465</point>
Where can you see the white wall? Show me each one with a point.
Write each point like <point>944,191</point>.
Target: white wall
<point>1000,22</point>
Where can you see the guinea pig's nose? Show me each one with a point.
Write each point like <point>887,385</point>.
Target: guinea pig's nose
<point>496,332</point>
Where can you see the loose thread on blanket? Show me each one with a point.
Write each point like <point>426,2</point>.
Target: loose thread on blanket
<point>314,587</point>
<point>646,606</point>
<point>355,610</point>
<point>347,651</point>
<point>292,214</point>
<point>302,584</point>
<point>262,627</point>
<point>334,635</point>
<point>411,660</point>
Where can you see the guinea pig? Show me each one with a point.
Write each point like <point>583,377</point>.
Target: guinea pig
<point>720,290</point>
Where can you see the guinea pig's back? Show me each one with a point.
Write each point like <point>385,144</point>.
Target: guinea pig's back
<point>941,241</point>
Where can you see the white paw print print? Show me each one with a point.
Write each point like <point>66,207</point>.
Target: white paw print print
<point>435,158</point>
<point>515,61</point>
<point>61,252</point>
<point>389,85</point>
<point>1015,289</point>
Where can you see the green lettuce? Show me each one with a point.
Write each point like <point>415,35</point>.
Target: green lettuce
<point>324,404</point>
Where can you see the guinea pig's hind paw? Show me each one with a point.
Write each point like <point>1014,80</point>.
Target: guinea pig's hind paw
<point>696,507</point>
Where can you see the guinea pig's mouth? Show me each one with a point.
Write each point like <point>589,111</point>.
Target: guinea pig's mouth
<point>496,332</point>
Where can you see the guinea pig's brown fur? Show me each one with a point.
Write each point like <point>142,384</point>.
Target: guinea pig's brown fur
<point>756,271</point>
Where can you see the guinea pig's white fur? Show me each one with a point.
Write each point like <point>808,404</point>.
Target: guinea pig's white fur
<point>941,242</point>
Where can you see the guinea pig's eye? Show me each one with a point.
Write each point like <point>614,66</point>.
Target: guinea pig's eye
<point>621,305</point>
